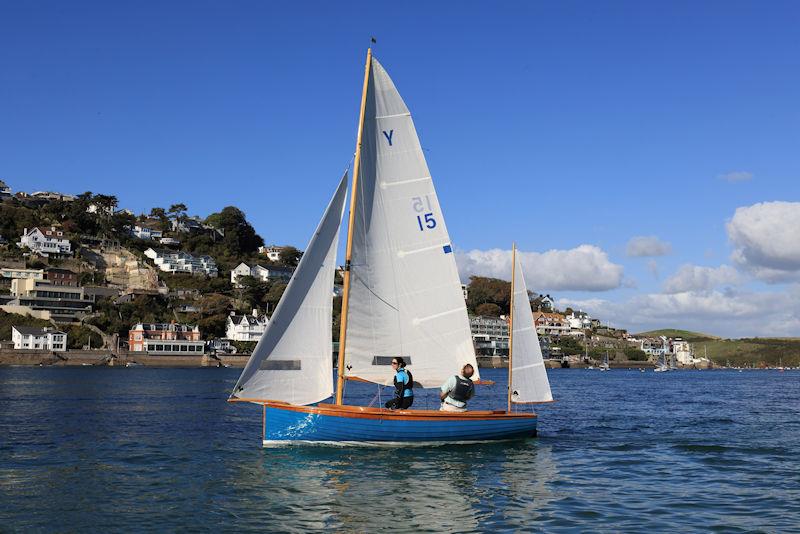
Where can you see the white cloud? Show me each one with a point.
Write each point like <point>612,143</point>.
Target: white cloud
<point>766,237</point>
<point>585,267</point>
<point>695,278</point>
<point>642,246</point>
<point>728,313</point>
<point>736,176</point>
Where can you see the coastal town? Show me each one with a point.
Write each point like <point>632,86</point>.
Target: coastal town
<point>87,283</point>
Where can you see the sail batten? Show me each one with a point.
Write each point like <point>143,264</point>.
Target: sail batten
<point>405,298</point>
<point>529,383</point>
<point>292,361</point>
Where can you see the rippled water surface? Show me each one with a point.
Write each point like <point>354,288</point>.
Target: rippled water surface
<point>104,449</point>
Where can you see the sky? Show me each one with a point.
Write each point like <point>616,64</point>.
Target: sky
<point>642,155</point>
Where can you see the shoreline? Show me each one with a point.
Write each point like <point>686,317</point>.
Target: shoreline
<point>107,358</point>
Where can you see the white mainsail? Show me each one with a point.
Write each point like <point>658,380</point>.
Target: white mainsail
<point>405,293</point>
<point>528,375</point>
<point>293,360</point>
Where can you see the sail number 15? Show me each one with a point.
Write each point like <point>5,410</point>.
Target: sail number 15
<point>425,219</point>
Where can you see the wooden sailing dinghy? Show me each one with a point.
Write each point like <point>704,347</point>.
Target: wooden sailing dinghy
<point>402,297</point>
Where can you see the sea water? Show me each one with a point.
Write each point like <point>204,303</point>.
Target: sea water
<point>140,449</point>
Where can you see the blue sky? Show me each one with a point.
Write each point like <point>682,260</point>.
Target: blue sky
<point>570,127</point>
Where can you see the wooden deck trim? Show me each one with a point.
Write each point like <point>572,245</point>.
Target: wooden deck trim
<point>363,412</point>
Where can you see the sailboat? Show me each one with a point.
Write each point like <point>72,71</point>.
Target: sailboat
<point>604,366</point>
<point>401,297</point>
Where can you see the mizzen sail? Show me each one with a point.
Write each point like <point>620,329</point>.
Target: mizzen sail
<point>293,361</point>
<point>528,375</point>
<point>405,296</point>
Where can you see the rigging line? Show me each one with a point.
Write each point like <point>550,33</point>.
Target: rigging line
<point>358,278</point>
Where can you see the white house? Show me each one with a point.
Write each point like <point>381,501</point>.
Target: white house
<point>143,232</point>
<point>34,338</point>
<point>682,351</point>
<point>272,252</point>
<point>246,327</point>
<point>172,261</point>
<point>260,272</point>
<point>45,241</point>
<point>5,191</point>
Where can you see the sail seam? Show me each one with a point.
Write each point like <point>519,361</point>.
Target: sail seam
<point>386,184</point>
<point>402,253</point>
<point>418,320</point>
<point>406,114</point>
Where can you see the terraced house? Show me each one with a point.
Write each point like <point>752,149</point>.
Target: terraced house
<point>172,261</point>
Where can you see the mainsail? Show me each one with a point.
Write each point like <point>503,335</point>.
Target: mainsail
<point>528,375</point>
<point>293,361</point>
<point>405,296</point>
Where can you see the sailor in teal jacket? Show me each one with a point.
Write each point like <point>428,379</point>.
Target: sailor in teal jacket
<point>403,386</point>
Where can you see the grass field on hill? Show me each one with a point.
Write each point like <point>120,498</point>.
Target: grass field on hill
<point>761,352</point>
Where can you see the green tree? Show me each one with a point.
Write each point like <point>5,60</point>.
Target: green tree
<point>635,355</point>
<point>240,236</point>
<point>489,309</point>
<point>569,345</point>
<point>290,256</point>
<point>177,211</point>
<point>484,290</point>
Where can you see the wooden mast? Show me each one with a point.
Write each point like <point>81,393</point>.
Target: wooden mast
<point>349,249</point>
<point>511,324</point>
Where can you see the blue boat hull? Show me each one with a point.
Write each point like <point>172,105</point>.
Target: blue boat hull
<point>286,424</point>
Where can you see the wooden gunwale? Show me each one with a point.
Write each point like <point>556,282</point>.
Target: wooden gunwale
<point>364,412</point>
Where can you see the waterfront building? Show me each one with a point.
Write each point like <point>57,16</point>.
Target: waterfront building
<point>682,351</point>
<point>36,338</point>
<point>246,327</point>
<point>143,232</point>
<point>489,335</point>
<point>262,273</point>
<point>654,346</point>
<point>166,339</point>
<point>181,262</point>
<point>61,303</point>
<point>45,241</point>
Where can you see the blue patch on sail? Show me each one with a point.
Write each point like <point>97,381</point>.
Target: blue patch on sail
<point>447,249</point>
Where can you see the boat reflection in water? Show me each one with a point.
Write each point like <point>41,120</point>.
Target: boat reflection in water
<point>360,489</point>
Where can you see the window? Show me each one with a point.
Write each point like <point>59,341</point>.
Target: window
<point>184,348</point>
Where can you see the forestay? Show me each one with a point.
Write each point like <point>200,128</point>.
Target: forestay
<point>528,375</point>
<point>293,361</point>
<point>405,292</point>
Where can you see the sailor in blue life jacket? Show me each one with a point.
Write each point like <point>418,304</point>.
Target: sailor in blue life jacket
<point>457,390</point>
<point>403,386</point>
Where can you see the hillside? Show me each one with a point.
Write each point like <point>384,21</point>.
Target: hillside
<point>761,352</point>
<point>688,335</point>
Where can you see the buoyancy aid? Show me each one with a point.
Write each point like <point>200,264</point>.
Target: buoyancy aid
<point>401,387</point>
<point>463,391</point>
